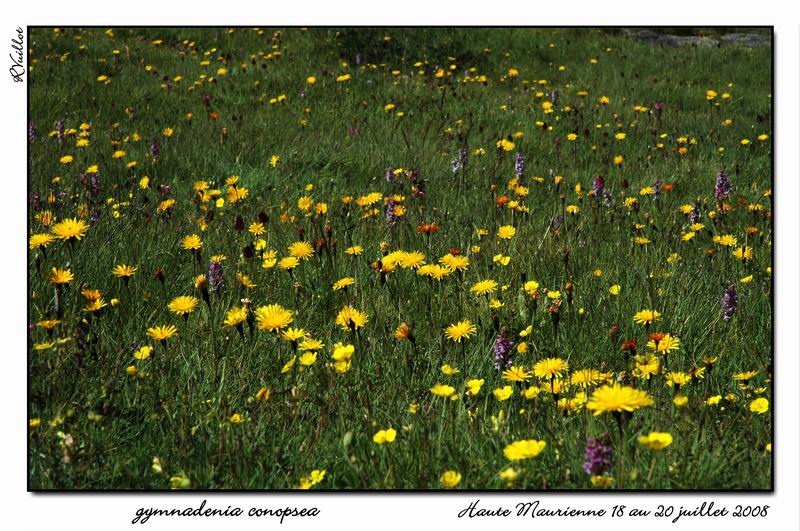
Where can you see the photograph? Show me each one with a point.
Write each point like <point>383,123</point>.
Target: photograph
<point>399,259</point>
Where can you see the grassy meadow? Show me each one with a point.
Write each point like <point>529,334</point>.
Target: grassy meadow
<point>397,259</point>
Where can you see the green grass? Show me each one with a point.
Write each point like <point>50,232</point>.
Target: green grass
<point>101,427</point>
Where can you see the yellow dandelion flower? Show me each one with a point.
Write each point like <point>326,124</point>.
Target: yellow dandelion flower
<point>460,330</point>
<point>527,449</point>
<point>273,317</point>
<point>617,398</point>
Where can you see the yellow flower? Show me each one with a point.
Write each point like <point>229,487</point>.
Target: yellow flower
<point>647,365</point>
<point>412,260</point>
<point>180,481</point>
<point>603,481</point>
<point>342,352</point>
<point>44,346</point>
<point>288,263</point>
<point>484,286</point>
<point>289,365</point>
<point>262,395</point>
<point>508,474</point>
<point>516,374</point>
<point>615,289</point>
<point>384,436</point>
<point>301,250</point>
<point>40,240</point>
<point>678,378</point>
<point>447,370</point>
<point>531,287</point>
<point>713,400</point>
<point>743,253</point>
<point>165,205</point>
<point>305,203</point>
<point>308,359</point>
<point>450,479</point>
<point>273,317</point>
<point>665,344</point>
<point>90,294</point>
<point>759,405</point>
<point>442,390</point>
<point>124,271</point>
<point>680,401</point>
<point>503,393</point>
<point>647,317</point>
<point>506,232</point>
<point>256,229</point>
<point>162,333</point>
<point>655,440</point>
<point>342,356</point>
<point>455,263</point>
<point>617,398</point>
<point>343,283</point>
<point>192,242</point>
<point>183,305</point>
<point>527,449</point>
<point>293,334</point>
<point>48,324</point>
<point>309,344</point>
<point>550,367</point>
<point>143,353</point>
<point>95,305</point>
<point>585,377</point>
<point>726,240</point>
<point>349,319</point>
<point>316,476</point>
<point>433,271</point>
<point>474,386</point>
<point>460,330</point>
<point>60,276</point>
<point>70,229</point>
<point>235,316</point>
<point>501,259</point>
<point>403,331</point>
<point>505,145</point>
<point>745,376</point>
<point>354,250</point>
